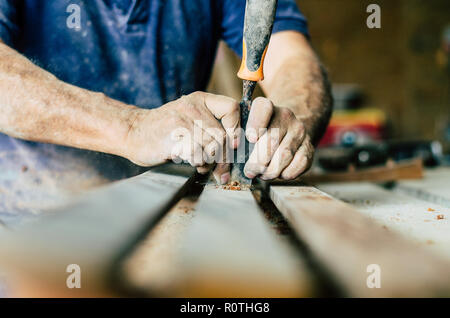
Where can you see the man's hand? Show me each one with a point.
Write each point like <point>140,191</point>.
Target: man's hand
<point>193,128</point>
<point>295,79</point>
<point>282,145</point>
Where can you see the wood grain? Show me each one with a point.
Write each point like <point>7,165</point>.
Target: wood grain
<point>416,220</point>
<point>401,171</point>
<point>347,242</point>
<point>229,250</point>
<point>95,232</point>
<point>153,266</point>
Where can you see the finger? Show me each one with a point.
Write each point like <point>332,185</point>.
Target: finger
<point>208,142</point>
<point>194,108</point>
<point>301,163</point>
<point>204,169</point>
<point>222,173</point>
<point>263,152</point>
<point>226,110</point>
<point>259,118</point>
<point>285,152</point>
<point>192,152</point>
<point>211,128</point>
<point>177,152</point>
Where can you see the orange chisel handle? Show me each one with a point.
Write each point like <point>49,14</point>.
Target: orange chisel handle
<point>259,18</point>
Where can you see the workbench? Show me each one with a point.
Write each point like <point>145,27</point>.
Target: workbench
<point>176,234</point>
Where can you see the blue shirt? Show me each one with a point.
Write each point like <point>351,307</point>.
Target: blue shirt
<point>141,52</point>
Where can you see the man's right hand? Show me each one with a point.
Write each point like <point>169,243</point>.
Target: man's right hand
<point>193,128</point>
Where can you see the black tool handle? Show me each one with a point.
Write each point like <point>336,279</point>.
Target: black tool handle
<point>259,18</point>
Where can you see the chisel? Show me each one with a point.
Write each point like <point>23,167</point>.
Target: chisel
<point>258,24</point>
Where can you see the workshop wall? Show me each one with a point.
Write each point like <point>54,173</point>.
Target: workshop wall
<point>403,68</point>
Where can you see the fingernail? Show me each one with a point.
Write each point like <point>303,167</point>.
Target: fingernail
<point>250,175</point>
<point>252,137</point>
<point>224,178</point>
<point>235,142</point>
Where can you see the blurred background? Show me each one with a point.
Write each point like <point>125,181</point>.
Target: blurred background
<point>389,85</point>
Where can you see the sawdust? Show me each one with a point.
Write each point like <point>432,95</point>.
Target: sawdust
<point>236,186</point>
<point>186,209</point>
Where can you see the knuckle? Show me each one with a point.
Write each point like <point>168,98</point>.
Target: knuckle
<point>254,168</point>
<point>286,154</point>
<point>274,140</point>
<point>286,114</point>
<point>263,104</point>
<point>184,103</point>
<point>197,94</point>
<point>287,176</point>
<point>298,128</point>
<point>184,99</point>
<point>176,121</point>
<point>218,134</point>
<point>234,105</point>
<point>269,175</point>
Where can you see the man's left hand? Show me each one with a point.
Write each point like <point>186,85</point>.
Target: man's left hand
<point>283,147</point>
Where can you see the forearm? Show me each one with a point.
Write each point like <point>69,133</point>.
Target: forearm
<point>296,79</point>
<point>36,106</point>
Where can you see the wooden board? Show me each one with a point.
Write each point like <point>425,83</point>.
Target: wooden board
<point>417,221</point>
<point>390,172</point>
<point>435,187</point>
<point>152,267</point>
<point>229,250</point>
<point>95,232</point>
<point>347,242</point>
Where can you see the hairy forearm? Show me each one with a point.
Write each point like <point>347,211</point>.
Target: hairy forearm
<point>296,79</point>
<point>36,106</point>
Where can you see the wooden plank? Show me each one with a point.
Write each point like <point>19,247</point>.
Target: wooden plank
<point>422,223</point>
<point>391,172</point>
<point>228,249</point>
<point>152,267</point>
<point>435,187</point>
<point>347,242</point>
<point>95,231</point>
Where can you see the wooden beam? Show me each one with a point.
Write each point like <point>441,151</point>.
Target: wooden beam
<point>229,250</point>
<point>95,232</point>
<point>347,242</point>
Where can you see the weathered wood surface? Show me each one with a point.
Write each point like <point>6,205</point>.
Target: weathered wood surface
<point>422,223</point>
<point>152,267</point>
<point>93,232</point>
<point>401,171</point>
<point>228,249</point>
<point>435,187</point>
<point>347,242</point>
